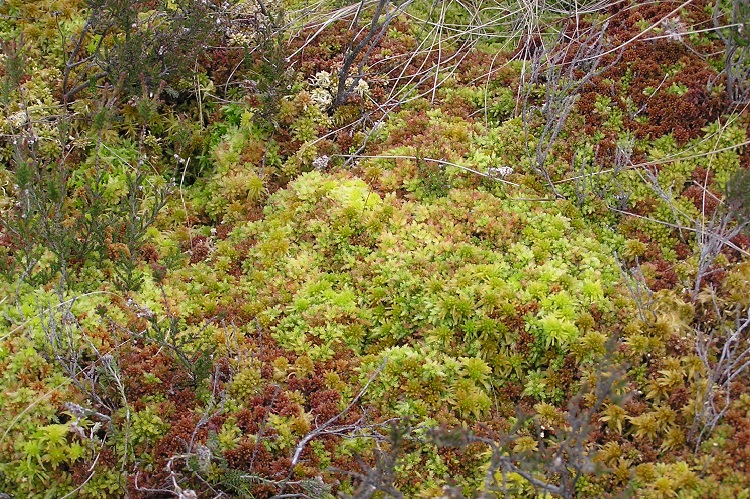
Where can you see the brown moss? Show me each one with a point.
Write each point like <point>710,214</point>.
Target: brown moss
<point>679,398</point>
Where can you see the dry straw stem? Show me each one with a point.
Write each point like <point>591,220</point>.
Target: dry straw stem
<point>562,85</point>
<point>330,428</point>
<point>684,153</point>
<point>525,22</point>
<point>711,234</point>
<point>50,392</point>
<point>737,50</point>
<point>730,337</point>
<point>558,464</point>
<point>432,160</point>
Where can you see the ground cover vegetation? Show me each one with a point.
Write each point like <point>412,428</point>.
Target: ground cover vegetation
<point>374,249</point>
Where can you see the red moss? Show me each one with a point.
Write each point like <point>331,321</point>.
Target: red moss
<point>741,241</point>
<point>635,407</point>
<point>81,470</point>
<point>569,374</point>
<point>246,455</point>
<point>324,404</point>
<point>679,399</point>
<point>149,253</point>
<point>644,61</point>
<point>221,63</point>
<point>683,251</point>
<point>256,458</point>
<point>714,277</point>
<point>199,249</point>
<point>175,382</point>
<point>666,278</point>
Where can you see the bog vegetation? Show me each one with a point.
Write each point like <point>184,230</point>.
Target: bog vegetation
<point>388,248</point>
